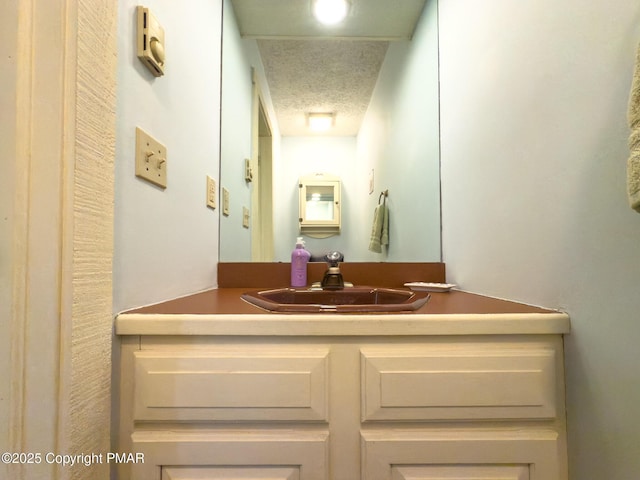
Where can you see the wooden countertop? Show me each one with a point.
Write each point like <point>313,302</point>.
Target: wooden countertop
<point>223,312</point>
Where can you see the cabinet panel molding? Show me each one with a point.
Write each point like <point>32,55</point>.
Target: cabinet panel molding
<point>537,450</point>
<point>203,386</point>
<point>230,473</point>
<point>460,472</point>
<point>305,452</point>
<point>430,386</point>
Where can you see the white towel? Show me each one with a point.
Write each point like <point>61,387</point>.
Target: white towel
<point>633,117</point>
<point>380,228</point>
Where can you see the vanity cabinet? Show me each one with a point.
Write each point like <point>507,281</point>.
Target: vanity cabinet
<point>343,407</point>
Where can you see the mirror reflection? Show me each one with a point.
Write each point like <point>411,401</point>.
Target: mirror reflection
<point>319,204</point>
<point>375,75</point>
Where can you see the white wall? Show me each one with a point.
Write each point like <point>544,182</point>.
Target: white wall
<point>166,242</point>
<point>399,140</point>
<point>533,101</point>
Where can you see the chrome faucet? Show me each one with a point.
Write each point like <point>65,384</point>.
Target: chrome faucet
<point>332,279</point>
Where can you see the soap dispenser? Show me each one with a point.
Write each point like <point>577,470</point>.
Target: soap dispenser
<point>299,259</point>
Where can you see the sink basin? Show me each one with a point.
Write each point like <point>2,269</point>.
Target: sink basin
<point>355,300</point>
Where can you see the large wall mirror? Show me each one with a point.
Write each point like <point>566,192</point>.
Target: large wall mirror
<point>376,74</point>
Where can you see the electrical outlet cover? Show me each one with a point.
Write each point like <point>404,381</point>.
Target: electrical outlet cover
<point>211,192</point>
<point>225,201</point>
<point>245,217</point>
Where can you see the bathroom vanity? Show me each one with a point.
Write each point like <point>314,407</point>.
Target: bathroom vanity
<point>466,387</point>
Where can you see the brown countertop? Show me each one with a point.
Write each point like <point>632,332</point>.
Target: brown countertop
<point>223,312</point>
<point>228,301</point>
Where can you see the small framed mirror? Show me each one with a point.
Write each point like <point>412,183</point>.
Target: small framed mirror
<point>319,205</point>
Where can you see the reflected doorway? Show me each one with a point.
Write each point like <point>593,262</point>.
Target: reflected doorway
<point>262,183</point>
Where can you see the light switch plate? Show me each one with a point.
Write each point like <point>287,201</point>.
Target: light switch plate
<point>245,217</point>
<point>151,159</point>
<point>211,193</point>
<point>225,201</point>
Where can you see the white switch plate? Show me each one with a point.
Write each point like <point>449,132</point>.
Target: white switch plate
<point>211,192</point>
<point>245,217</point>
<point>225,201</point>
<point>151,159</point>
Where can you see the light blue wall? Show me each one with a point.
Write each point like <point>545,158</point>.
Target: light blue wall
<point>303,156</point>
<point>534,151</point>
<point>239,57</point>
<point>399,140</point>
<point>235,137</point>
<point>166,241</point>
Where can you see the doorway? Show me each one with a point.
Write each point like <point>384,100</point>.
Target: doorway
<point>262,182</point>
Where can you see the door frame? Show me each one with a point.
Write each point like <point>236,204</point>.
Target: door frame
<point>262,249</point>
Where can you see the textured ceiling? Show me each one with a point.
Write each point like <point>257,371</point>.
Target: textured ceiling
<point>311,68</point>
<point>335,76</point>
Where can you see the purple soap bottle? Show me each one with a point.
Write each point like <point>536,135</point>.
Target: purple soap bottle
<point>299,259</point>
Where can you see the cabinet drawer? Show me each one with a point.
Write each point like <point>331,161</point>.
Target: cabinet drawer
<point>426,385</point>
<point>230,386</point>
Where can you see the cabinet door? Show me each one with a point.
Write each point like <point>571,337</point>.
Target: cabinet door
<point>230,454</point>
<point>319,204</point>
<point>516,454</point>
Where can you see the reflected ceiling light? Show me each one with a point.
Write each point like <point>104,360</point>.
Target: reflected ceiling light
<point>320,122</point>
<point>330,12</point>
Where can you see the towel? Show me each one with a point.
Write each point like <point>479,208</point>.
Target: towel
<point>633,117</point>
<point>380,228</point>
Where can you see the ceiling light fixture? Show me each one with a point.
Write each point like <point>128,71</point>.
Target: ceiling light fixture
<point>330,12</point>
<point>320,122</point>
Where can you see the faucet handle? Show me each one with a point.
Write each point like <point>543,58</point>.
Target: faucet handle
<point>333,258</point>
<point>332,279</point>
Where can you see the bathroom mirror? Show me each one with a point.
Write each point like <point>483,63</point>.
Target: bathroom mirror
<point>377,74</point>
